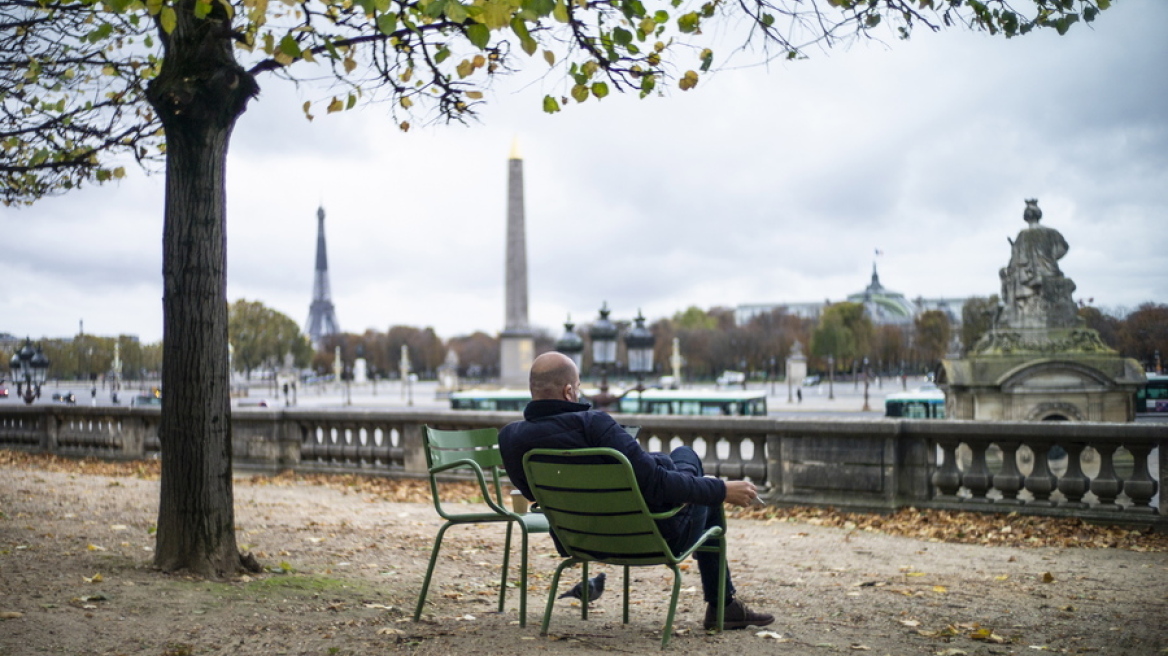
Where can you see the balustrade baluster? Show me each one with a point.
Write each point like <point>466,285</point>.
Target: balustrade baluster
<point>1041,482</point>
<point>1074,484</point>
<point>755,469</point>
<point>731,467</point>
<point>1141,487</point>
<point>1010,480</point>
<point>977,478</point>
<point>1107,485</point>
<point>947,478</point>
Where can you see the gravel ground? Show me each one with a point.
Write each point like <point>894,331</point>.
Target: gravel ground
<point>346,566</point>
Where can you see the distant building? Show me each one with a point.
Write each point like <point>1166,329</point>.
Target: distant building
<point>882,305</point>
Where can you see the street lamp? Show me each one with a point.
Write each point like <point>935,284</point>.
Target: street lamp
<point>603,333</point>
<point>831,378</point>
<point>866,408</point>
<point>639,343</point>
<point>571,344</point>
<point>29,369</point>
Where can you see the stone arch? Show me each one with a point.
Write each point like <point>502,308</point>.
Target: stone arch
<point>1055,410</point>
<point>1089,378</point>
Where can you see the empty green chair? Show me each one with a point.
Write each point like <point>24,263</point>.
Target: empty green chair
<point>595,508</point>
<point>476,450</point>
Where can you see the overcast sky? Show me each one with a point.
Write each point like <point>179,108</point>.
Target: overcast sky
<point>764,184</point>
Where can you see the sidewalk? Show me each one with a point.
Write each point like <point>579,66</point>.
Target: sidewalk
<point>75,578</point>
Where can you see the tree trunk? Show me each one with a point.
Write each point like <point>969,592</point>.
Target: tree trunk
<point>199,94</point>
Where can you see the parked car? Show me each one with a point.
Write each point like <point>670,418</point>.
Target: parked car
<point>811,381</point>
<point>3,392</point>
<point>65,397</point>
<point>730,378</point>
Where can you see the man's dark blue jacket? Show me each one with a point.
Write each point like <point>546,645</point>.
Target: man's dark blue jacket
<point>552,424</point>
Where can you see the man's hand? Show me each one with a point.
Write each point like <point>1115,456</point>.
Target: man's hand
<point>741,493</point>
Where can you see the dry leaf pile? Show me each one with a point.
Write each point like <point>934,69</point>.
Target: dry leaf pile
<point>1014,530</point>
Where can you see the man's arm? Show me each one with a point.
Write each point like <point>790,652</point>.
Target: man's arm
<point>659,485</point>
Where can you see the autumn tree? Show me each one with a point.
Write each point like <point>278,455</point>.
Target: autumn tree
<point>1144,334</point>
<point>931,335</point>
<point>845,332</point>
<point>87,85</point>
<point>260,336</point>
<point>977,317</point>
<point>1106,325</point>
<point>478,354</point>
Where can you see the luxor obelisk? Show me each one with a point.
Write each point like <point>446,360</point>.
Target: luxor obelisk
<point>516,343</point>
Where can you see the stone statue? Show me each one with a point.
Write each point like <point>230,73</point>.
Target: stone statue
<point>1035,293</point>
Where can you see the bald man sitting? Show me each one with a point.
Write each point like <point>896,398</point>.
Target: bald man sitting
<point>555,419</point>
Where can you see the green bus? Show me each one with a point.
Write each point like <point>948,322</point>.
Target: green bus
<point>1153,396</point>
<point>695,402</point>
<point>922,403</point>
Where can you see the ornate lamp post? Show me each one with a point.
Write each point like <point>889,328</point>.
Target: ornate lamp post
<point>639,343</point>
<point>29,369</point>
<point>571,344</point>
<point>603,334</point>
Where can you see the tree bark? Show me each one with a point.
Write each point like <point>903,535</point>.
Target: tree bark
<point>199,94</point>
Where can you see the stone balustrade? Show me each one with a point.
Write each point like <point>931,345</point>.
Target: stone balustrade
<point>1109,472</point>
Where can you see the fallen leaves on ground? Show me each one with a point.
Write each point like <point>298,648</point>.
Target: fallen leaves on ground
<point>928,524</point>
<point>970,527</point>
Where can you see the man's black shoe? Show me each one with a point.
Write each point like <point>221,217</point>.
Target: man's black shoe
<point>737,616</point>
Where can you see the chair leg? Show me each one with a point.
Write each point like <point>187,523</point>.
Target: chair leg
<point>668,633</point>
<point>506,565</point>
<point>547,612</point>
<point>430,571</point>
<point>625,616</point>
<point>523,577</point>
<point>721,612</point>
<point>584,592</point>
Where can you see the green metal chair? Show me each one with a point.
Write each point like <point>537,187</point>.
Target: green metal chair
<point>478,451</point>
<point>597,512</point>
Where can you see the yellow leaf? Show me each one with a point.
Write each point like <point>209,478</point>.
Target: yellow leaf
<point>940,589</point>
<point>474,95</point>
<point>1002,577</point>
<point>1047,577</point>
<point>915,574</point>
<point>336,105</point>
<point>549,57</point>
<point>96,578</point>
<point>168,19</point>
<point>349,64</point>
<point>94,547</point>
<point>406,103</point>
<point>11,615</point>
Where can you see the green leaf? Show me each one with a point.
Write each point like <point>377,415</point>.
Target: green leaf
<point>661,17</point>
<point>539,8</point>
<point>435,8</point>
<point>479,35</point>
<point>550,105</point>
<point>599,89</point>
<point>688,23</point>
<point>289,47</point>
<point>387,23</point>
<point>707,59</point>
<point>496,13</point>
<point>580,93</point>
<point>560,13</point>
<point>455,11</point>
<point>519,27</point>
<point>442,55</point>
<point>621,36</point>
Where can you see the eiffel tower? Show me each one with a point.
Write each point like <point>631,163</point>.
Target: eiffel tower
<point>322,316</point>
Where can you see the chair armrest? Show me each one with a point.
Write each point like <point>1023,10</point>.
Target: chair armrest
<point>481,478</point>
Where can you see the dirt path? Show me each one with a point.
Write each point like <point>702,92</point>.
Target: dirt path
<point>75,579</point>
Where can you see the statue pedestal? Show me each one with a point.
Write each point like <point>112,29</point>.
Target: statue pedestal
<point>516,351</point>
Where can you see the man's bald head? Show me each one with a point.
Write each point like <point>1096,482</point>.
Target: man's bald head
<point>554,376</point>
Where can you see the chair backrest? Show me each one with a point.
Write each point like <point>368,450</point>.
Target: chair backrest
<point>480,445</point>
<point>593,504</point>
<point>474,449</point>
